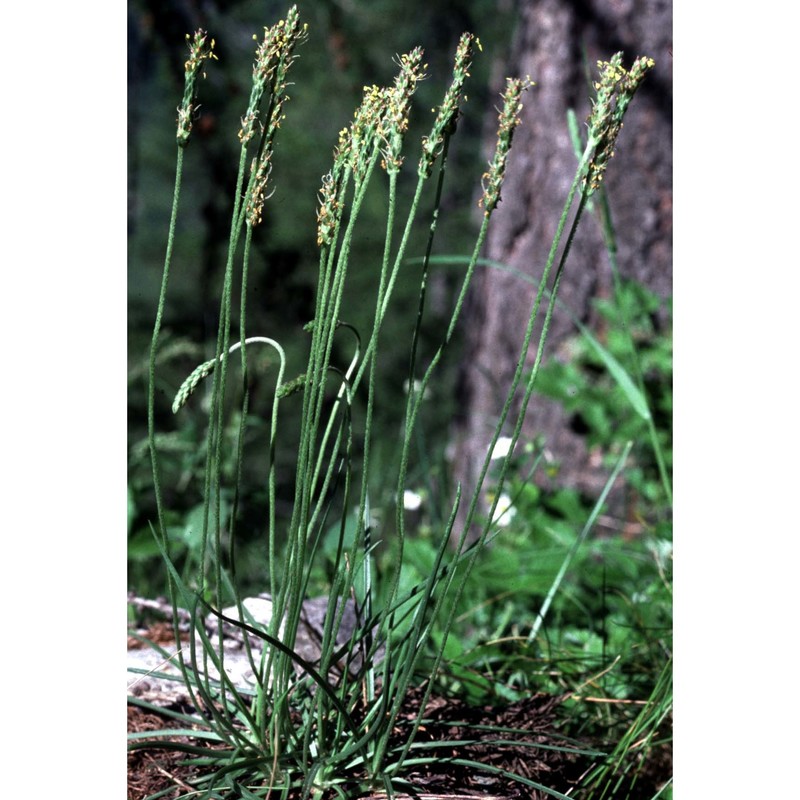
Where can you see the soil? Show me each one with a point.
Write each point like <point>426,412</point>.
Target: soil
<point>536,719</point>
<point>152,771</point>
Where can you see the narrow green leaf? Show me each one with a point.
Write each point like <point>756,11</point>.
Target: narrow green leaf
<point>624,381</point>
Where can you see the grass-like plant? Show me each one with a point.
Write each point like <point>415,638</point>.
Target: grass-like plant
<point>308,728</point>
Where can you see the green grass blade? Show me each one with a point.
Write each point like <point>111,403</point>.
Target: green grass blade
<point>617,372</point>
<point>576,545</point>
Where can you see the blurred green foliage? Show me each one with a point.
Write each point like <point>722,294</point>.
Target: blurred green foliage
<point>598,406</point>
<point>613,612</point>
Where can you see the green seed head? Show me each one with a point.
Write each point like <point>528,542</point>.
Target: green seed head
<point>507,123</point>
<point>615,90</point>
<point>200,50</point>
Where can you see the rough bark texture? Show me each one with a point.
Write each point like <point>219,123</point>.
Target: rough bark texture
<point>551,38</point>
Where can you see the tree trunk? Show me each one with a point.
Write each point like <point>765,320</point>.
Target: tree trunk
<point>555,42</point>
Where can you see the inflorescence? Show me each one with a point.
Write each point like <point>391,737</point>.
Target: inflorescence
<point>200,50</point>
<point>615,89</point>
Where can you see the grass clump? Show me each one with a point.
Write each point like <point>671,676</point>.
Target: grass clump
<point>327,724</point>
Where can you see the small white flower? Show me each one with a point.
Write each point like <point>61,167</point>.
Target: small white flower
<point>411,500</point>
<point>504,513</point>
<point>502,448</point>
<point>417,386</point>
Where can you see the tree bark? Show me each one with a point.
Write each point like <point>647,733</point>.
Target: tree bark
<point>555,42</point>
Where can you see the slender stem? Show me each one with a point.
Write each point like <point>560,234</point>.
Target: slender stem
<point>151,383</point>
<point>548,600</point>
<point>213,442</point>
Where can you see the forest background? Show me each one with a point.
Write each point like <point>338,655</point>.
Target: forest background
<point>70,447</point>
